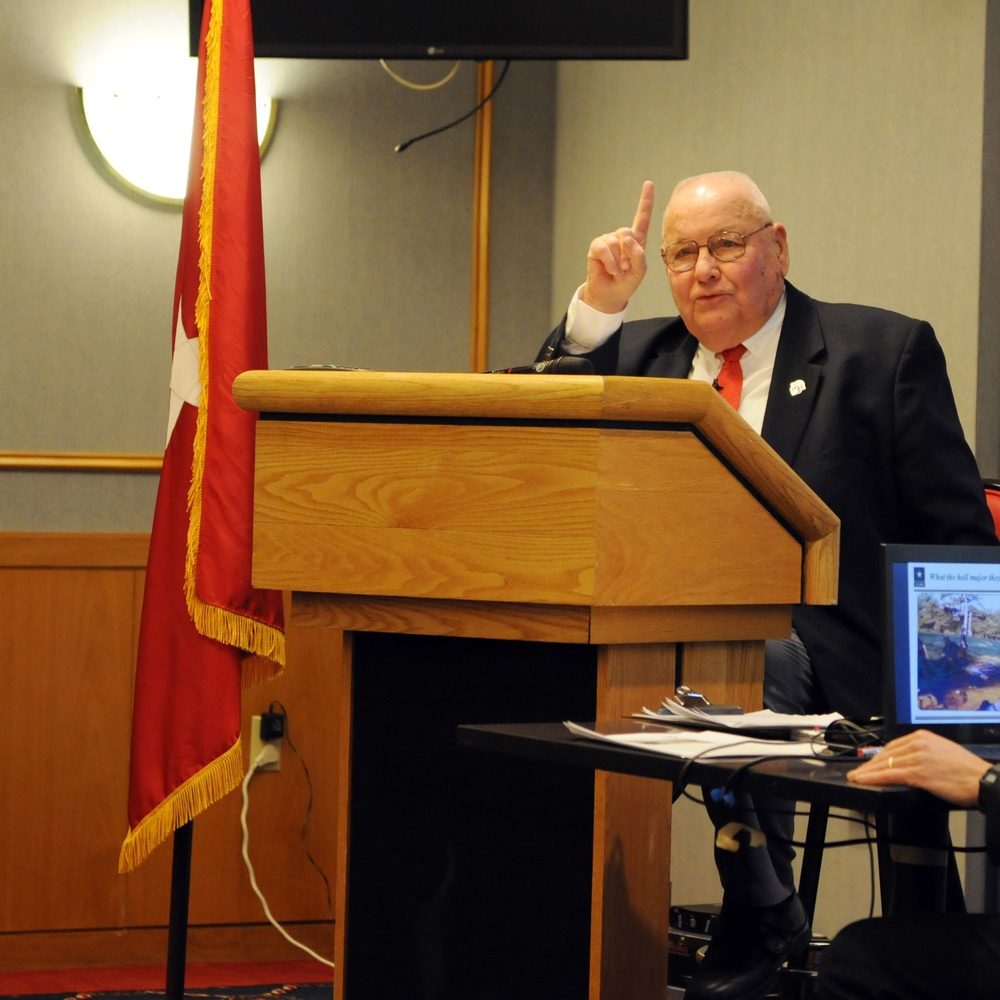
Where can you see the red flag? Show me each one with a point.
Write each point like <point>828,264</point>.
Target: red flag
<point>205,632</point>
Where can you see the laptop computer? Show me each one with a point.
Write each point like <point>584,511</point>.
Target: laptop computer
<point>942,643</point>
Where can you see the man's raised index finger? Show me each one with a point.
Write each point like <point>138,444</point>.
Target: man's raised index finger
<point>644,213</point>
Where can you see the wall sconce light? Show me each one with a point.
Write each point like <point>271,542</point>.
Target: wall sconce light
<point>141,139</point>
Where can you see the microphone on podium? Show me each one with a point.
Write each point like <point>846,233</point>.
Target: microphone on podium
<point>567,365</point>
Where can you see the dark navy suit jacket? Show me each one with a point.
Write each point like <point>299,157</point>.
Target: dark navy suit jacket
<point>875,433</point>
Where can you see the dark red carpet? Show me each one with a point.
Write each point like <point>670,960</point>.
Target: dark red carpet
<point>208,979</point>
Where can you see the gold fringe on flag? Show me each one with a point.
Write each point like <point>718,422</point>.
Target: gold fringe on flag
<point>252,636</point>
<point>199,792</point>
<point>256,670</point>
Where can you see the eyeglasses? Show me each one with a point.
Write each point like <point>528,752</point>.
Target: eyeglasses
<point>724,246</point>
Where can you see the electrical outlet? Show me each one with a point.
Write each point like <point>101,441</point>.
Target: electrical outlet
<point>257,745</point>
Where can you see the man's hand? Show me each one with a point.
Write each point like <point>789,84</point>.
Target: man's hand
<point>616,263</point>
<point>925,760</point>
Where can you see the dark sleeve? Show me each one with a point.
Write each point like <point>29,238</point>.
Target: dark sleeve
<point>935,469</point>
<point>989,806</point>
<point>604,358</point>
<point>992,838</point>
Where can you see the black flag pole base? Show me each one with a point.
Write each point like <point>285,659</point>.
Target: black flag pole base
<point>180,890</point>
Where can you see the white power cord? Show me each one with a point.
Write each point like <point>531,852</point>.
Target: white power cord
<point>420,86</point>
<point>267,756</point>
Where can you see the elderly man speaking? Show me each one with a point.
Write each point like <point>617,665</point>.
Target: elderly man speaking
<point>857,401</point>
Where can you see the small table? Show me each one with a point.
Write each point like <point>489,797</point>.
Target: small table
<point>922,816</point>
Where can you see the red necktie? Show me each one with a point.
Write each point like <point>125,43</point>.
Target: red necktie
<point>730,380</point>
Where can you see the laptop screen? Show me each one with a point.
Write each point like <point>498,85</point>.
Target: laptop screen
<point>942,649</point>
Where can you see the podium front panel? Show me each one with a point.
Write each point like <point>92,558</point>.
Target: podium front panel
<point>544,513</point>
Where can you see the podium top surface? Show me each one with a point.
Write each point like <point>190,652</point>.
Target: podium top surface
<point>443,394</point>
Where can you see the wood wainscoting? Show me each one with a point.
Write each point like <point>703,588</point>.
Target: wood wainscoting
<point>67,645</point>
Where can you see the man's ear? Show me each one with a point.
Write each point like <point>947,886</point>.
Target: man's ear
<point>781,238</point>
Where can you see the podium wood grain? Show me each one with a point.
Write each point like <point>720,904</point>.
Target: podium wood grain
<point>639,516</point>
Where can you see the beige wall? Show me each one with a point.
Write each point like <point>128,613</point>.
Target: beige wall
<point>368,252</point>
<point>861,121</point>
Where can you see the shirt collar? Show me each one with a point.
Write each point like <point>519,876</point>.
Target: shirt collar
<point>763,340</point>
<point>761,344</point>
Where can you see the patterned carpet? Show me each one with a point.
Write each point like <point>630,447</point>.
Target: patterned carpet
<point>295,980</point>
<point>308,991</point>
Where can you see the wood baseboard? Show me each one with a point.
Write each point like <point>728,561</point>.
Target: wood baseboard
<point>139,946</point>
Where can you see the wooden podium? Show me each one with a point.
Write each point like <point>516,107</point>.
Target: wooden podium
<point>621,535</point>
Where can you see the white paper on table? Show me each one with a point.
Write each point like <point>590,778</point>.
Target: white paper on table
<point>700,743</point>
<point>764,719</point>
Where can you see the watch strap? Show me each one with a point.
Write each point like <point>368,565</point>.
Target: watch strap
<point>989,791</point>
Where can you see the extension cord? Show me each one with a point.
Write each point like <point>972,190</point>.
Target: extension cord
<point>267,755</point>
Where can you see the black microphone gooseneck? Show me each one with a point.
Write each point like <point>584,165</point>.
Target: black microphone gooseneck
<point>568,364</point>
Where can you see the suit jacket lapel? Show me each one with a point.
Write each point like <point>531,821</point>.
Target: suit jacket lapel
<point>795,381</point>
<point>656,348</point>
<point>797,376</point>
<point>675,364</point>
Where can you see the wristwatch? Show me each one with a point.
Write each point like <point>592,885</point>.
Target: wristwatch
<point>989,792</point>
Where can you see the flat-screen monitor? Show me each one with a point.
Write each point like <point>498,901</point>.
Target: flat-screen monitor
<point>465,29</point>
<point>942,643</point>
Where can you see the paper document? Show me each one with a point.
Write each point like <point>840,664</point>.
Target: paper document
<point>764,719</point>
<point>701,744</point>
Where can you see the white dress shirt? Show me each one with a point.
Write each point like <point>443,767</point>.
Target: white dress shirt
<point>587,329</point>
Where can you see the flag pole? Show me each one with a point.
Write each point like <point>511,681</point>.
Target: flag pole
<point>180,891</point>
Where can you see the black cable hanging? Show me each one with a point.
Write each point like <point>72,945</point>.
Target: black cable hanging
<point>458,121</point>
